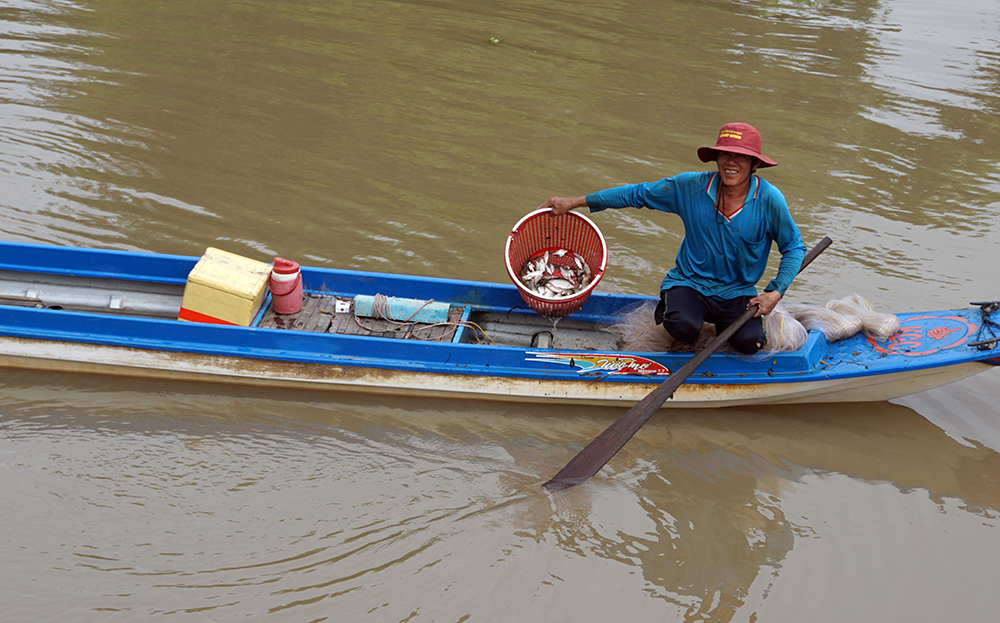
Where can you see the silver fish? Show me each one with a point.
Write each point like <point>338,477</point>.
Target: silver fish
<point>557,273</point>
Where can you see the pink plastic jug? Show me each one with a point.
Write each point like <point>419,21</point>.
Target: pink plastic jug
<point>286,286</point>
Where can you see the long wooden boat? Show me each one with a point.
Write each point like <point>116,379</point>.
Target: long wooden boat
<point>116,312</point>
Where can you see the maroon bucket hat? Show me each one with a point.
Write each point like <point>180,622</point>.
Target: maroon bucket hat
<point>737,138</point>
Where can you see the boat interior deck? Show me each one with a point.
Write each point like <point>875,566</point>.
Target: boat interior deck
<point>335,314</point>
<point>321,312</point>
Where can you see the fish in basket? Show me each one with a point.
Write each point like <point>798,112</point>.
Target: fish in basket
<point>555,261</point>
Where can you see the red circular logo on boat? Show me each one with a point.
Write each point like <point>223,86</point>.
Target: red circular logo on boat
<point>919,336</point>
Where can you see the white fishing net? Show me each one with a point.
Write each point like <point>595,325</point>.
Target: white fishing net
<point>784,331</point>
<point>835,326</point>
<point>637,331</point>
<point>842,318</point>
<point>787,326</point>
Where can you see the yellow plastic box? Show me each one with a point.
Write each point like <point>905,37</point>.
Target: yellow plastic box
<point>224,288</point>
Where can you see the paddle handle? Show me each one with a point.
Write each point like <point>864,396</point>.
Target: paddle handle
<point>599,451</point>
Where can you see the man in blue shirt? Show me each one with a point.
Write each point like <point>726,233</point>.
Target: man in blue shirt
<point>731,217</point>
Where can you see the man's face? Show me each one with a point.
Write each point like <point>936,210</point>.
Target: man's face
<point>734,169</point>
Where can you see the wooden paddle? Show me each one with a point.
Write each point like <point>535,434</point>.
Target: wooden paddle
<point>599,451</point>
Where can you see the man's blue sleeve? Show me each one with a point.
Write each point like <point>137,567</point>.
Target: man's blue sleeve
<point>661,195</point>
<point>789,240</point>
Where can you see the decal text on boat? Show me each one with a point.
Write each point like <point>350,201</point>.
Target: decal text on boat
<point>602,362</point>
<point>919,336</point>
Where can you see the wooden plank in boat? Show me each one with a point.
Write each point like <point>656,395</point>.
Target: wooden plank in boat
<point>319,314</point>
<point>315,315</point>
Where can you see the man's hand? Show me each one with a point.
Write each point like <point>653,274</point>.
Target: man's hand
<point>562,205</point>
<point>766,301</point>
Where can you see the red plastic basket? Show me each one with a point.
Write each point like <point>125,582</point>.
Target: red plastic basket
<point>542,231</point>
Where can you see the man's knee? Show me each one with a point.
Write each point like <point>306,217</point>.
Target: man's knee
<point>746,346</point>
<point>680,328</point>
<point>750,338</point>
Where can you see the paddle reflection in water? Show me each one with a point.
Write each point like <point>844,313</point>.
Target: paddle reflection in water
<point>194,499</point>
<point>748,505</point>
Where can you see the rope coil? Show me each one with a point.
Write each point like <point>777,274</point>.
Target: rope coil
<point>382,310</point>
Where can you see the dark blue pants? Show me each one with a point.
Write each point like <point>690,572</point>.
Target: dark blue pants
<point>683,310</point>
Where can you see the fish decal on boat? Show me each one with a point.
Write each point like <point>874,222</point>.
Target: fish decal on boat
<point>939,333</point>
<point>603,362</point>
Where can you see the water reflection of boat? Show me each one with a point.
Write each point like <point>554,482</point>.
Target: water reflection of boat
<point>115,312</point>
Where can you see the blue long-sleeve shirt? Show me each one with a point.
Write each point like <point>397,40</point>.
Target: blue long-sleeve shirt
<point>720,257</point>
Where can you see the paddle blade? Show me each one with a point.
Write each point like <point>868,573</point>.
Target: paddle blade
<point>591,459</point>
<point>598,452</point>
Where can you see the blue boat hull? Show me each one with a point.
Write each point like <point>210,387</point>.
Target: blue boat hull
<point>931,349</point>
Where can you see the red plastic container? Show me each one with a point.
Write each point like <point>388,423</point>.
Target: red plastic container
<point>286,287</point>
<point>541,231</point>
